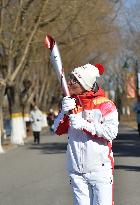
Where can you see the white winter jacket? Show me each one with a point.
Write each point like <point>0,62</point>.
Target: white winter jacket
<point>90,148</point>
<point>36,118</point>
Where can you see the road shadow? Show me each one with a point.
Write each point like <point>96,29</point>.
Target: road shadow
<point>127,168</point>
<point>127,145</point>
<point>50,148</point>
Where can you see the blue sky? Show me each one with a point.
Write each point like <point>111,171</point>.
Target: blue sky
<point>129,3</point>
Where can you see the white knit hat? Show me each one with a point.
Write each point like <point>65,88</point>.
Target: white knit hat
<point>86,75</point>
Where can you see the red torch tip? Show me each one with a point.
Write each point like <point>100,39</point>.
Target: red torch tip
<point>49,42</point>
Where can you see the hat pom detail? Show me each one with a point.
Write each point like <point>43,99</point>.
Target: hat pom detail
<point>100,68</point>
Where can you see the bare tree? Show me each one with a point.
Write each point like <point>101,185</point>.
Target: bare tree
<point>81,29</point>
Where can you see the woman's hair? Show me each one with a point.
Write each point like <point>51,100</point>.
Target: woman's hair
<point>95,87</point>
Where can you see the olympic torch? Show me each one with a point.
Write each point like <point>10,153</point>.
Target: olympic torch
<point>57,63</point>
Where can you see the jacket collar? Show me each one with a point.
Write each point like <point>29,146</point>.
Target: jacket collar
<point>88,96</point>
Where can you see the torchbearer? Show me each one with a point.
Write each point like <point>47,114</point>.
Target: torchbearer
<point>90,129</point>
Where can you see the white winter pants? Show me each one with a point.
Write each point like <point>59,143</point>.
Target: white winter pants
<point>95,188</point>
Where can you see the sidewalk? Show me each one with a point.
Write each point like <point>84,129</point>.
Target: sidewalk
<point>132,124</point>
<point>129,121</point>
<point>7,143</point>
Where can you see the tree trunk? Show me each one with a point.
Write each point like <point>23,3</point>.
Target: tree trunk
<point>18,127</point>
<point>1,130</point>
<point>2,91</point>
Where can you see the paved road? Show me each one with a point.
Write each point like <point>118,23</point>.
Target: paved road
<point>35,174</point>
<point>127,167</point>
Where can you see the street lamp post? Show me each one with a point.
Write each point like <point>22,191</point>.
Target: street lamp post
<point>137,79</point>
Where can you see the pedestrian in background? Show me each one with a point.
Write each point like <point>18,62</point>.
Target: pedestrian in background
<point>90,129</point>
<point>50,119</point>
<point>137,111</point>
<point>36,118</point>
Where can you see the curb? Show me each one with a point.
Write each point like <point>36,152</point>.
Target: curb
<point>7,145</point>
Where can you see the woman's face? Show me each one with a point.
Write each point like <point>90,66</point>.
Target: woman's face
<point>74,86</point>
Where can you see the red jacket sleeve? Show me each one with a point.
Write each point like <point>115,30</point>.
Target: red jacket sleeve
<point>63,126</point>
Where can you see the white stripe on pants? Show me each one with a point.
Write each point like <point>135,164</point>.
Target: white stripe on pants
<point>93,188</point>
